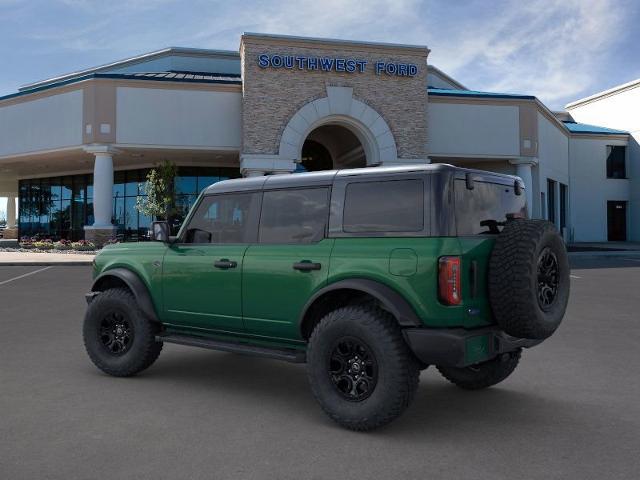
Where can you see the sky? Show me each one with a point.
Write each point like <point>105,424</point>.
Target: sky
<point>558,50</point>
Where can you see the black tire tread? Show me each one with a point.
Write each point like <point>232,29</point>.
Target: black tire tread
<point>407,372</point>
<point>511,267</point>
<point>146,328</point>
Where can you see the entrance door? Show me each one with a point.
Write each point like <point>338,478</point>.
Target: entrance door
<point>202,271</point>
<point>290,261</point>
<point>617,221</point>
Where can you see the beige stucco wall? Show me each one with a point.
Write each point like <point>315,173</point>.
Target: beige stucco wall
<point>272,96</point>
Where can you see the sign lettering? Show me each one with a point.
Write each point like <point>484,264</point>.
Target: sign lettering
<point>331,64</point>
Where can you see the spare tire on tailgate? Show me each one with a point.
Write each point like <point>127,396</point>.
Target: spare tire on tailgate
<point>529,279</point>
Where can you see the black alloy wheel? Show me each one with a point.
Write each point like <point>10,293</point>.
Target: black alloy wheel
<point>116,333</point>
<point>547,278</point>
<point>353,369</point>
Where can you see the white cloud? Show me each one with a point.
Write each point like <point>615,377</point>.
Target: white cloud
<point>553,49</point>
<point>556,49</point>
<point>548,48</point>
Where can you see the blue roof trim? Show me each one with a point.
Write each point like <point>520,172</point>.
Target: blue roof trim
<point>575,127</point>
<point>445,92</point>
<point>226,79</point>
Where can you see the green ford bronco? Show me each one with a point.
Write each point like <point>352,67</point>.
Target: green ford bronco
<point>367,275</point>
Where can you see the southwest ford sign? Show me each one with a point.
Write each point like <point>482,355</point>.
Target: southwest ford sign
<point>334,64</point>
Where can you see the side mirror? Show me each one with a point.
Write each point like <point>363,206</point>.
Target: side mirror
<point>160,232</point>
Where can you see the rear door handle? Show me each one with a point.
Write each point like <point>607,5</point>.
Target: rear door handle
<point>225,264</point>
<point>306,266</point>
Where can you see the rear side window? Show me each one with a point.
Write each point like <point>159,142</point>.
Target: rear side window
<point>294,216</point>
<point>384,206</point>
<point>485,208</point>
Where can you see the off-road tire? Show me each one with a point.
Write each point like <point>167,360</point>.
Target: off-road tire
<point>515,279</point>
<point>484,374</point>
<point>397,369</point>
<point>143,350</point>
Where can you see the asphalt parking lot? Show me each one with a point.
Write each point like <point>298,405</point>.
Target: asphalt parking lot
<point>570,411</point>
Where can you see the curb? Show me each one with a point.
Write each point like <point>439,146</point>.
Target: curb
<point>616,253</point>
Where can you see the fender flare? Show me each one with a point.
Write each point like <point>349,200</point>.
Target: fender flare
<point>390,298</point>
<point>135,284</point>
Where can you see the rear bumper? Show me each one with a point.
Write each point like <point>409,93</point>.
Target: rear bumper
<point>457,347</point>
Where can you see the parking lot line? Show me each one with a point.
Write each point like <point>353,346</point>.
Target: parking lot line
<point>574,276</point>
<point>25,275</point>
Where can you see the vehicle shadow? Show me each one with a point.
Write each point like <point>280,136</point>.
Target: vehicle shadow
<point>438,408</point>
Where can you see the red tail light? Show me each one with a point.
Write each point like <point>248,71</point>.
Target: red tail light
<point>449,280</point>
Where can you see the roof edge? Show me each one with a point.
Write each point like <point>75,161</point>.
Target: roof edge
<point>335,41</point>
<point>445,92</point>
<point>446,76</point>
<point>115,76</point>
<point>130,61</point>
<point>604,93</point>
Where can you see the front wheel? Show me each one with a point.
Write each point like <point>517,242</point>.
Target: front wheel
<point>360,369</point>
<point>483,375</point>
<point>119,338</point>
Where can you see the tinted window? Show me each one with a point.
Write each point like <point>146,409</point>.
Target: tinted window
<point>616,167</point>
<point>229,218</point>
<point>385,206</point>
<point>294,216</point>
<point>482,209</point>
<point>551,201</point>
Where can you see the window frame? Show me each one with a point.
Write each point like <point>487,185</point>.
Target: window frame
<point>325,232</point>
<point>340,185</point>
<point>608,150</point>
<point>252,224</point>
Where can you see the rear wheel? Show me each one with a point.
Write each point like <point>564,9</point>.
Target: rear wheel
<point>118,337</point>
<point>360,369</point>
<point>483,375</point>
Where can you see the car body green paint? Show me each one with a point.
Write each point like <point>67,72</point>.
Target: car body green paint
<point>263,296</point>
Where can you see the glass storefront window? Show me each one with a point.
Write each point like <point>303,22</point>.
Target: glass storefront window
<point>67,188</point>
<point>59,207</point>
<point>118,184</point>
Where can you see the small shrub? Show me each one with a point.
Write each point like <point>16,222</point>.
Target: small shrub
<point>43,244</point>
<point>62,245</point>
<point>83,246</point>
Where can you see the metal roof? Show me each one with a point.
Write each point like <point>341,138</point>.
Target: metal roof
<point>445,92</point>
<point>175,75</point>
<point>131,61</point>
<point>187,77</point>
<point>327,177</point>
<point>575,127</point>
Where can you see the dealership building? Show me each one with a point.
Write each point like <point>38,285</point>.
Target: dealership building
<point>75,149</point>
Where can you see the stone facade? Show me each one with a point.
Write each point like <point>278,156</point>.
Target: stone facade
<point>99,236</point>
<point>272,96</point>
<point>10,233</point>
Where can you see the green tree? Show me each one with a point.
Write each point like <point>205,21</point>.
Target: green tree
<point>160,192</point>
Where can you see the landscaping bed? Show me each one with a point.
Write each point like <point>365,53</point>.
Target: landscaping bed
<point>49,246</point>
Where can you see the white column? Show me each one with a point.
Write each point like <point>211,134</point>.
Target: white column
<point>255,165</point>
<point>102,185</point>
<point>523,170</point>
<point>11,212</point>
<point>102,190</point>
<point>247,173</point>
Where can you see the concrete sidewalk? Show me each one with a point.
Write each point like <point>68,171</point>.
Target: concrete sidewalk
<point>605,246</point>
<point>37,259</point>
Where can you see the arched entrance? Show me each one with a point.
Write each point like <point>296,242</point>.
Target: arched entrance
<point>338,130</point>
<point>332,146</point>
